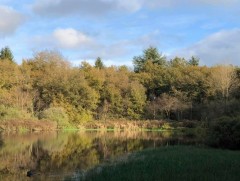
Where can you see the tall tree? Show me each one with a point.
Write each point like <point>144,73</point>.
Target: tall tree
<point>151,54</point>
<point>225,79</point>
<point>6,54</point>
<point>167,104</point>
<point>8,82</point>
<point>194,61</point>
<point>99,63</point>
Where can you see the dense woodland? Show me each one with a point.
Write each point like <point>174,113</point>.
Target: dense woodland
<point>47,86</point>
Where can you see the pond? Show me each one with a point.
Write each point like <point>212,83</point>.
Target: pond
<point>61,155</point>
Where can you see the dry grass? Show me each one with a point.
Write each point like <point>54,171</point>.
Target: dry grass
<point>125,125</point>
<point>27,125</point>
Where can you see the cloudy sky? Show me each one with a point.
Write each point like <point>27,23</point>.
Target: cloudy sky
<point>117,30</point>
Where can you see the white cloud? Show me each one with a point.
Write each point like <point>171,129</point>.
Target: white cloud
<point>61,39</point>
<point>220,47</point>
<point>71,38</point>
<point>10,20</point>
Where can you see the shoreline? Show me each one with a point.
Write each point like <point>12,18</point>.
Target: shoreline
<point>119,125</point>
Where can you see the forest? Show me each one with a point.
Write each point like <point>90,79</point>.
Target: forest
<point>98,122</point>
<point>48,87</point>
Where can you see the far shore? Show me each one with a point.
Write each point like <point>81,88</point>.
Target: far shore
<point>113,125</point>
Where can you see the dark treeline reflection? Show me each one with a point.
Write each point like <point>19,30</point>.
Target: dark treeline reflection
<point>52,155</point>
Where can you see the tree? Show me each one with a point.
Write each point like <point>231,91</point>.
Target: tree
<point>183,103</point>
<point>151,54</point>
<point>48,72</point>
<point>178,62</point>
<point>99,64</point>
<point>136,100</point>
<point>167,104</point>
<point>225,79</point>
<point>121,96</point>
<point>194,61</point>
<point>8,82</point>
<point>6,54</point>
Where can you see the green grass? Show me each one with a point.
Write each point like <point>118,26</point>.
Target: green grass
<point>23,130</point>
<point>172,163</point>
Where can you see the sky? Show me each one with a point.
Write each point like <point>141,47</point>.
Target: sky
<point>118,30</point>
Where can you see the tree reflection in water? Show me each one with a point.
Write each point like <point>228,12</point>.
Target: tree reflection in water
<point>1,140</point>
<point>53,155</point>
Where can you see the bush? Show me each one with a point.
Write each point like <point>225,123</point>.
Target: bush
<point>189,124</point>
<point>7,113</point>
<point>224,133</point>
<point>84,116</point>
<point>56,114</point>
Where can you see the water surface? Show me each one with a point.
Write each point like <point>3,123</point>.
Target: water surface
<point>60,155</point>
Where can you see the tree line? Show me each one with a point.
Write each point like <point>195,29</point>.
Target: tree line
<point>47,86</point>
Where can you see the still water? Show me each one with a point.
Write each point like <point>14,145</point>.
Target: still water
<point>61,155</point>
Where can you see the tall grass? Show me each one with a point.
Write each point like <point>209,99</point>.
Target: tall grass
<point>171,163</point>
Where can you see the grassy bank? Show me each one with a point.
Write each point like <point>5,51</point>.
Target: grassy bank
<point>27,125</point>
<point>124,125</point>
<point>137,125</point>
<point>172,163</point>
<point>113,125</point>
<point>43,125</point>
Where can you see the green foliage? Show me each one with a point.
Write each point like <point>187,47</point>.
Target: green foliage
<point>97,92</point>
<point>6,54</point>
<point>152,55</point>
<point>224,133</point>
<point>121,96</point>
<point>194,61</point>
<point>178,62</point>
<point>8,75</point>
<point>11,113</point>
<point>99,64</point>
<point>56,114</point>
<point>58,84</point>
<point>84,116</point>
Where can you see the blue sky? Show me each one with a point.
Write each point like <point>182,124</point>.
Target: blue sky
<point>117,30</point>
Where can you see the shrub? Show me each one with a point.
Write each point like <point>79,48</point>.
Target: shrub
<point>84,116</point>
<point>189,124</point>
<point>7,113</point>
<point>224,133</point>
<point>56,114</point>
<point>223,118</point>
<point>167,126</point>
